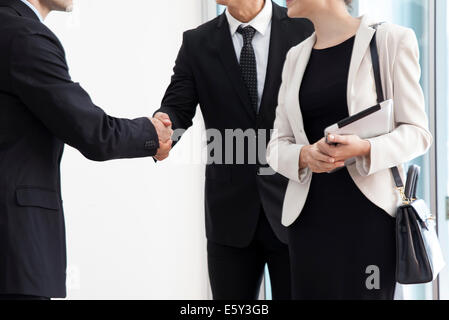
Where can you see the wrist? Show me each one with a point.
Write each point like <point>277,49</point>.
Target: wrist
<point>303,158</point>
<point>365,149</point>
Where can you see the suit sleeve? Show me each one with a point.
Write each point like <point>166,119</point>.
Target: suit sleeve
<point>40,78</point>
<point>181,97</point>
<point>411,138</point>
<point>283,152</point>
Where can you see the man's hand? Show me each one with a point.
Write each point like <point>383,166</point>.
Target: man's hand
<point>311,157</point>
<point>164,118</point>
<point>164,150</point>
<point>162,124</point>
<point>343,148</point>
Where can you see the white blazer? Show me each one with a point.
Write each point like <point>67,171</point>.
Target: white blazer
<point>400,71</point>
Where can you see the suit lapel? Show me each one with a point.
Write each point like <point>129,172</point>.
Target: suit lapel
<point>226,52</point>
<point>276,56</point>
<point>22,9</point>
<point>361,47</point>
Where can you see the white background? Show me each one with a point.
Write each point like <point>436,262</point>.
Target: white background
<point>135,229</point>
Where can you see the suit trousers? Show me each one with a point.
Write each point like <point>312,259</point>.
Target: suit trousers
<point>236,273</point>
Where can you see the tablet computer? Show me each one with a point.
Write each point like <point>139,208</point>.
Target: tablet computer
<point>369,123</point>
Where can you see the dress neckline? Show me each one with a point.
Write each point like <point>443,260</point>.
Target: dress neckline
<point>347,41</point>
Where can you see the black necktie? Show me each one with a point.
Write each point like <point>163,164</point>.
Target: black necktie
<point>248,65</point>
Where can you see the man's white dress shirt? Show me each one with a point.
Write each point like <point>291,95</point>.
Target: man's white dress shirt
<point>34,10</point>
<point>261,41</point>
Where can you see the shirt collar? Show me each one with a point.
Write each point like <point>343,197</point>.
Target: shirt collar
<point>260,22</point>
<point>34,10</point>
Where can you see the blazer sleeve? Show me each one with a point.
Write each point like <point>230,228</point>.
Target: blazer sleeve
<point>181,97</point>
<point>283,152</point>
<point>411,138</point>
<point>40,78</point>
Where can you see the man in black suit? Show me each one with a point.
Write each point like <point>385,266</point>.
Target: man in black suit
<point>40,110</point>
<point>231,66</point>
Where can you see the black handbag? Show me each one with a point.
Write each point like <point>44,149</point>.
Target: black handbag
<point>419,258</point>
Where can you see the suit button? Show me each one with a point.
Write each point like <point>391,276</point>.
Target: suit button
<point>150,145</point>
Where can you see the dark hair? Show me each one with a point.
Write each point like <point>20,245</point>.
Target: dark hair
<point>348,2</point>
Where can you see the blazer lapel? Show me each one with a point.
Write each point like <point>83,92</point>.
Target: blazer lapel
<point>226,52</point>
<point>361,47</point>
<point>292,101</point>
<point>276,56</point>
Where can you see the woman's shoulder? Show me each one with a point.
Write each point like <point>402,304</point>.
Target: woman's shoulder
<point>394,34</point>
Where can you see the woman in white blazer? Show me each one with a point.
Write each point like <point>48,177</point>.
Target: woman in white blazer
<point>341,225</point>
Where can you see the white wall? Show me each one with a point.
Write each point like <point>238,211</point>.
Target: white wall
<point>135,229</point>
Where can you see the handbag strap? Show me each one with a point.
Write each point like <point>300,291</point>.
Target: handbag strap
<point>376,68</point>
<point>380,95</point>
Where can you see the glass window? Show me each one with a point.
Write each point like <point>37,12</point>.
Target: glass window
<point>442,135</point>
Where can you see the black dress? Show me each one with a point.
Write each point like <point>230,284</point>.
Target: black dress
<point>340,233</point>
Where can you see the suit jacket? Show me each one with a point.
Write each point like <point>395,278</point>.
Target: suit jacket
<point>207,72</point>
<point>40,110</point>
<point>410,138</point>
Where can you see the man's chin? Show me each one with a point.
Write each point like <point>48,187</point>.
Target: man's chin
<point>64,6</point>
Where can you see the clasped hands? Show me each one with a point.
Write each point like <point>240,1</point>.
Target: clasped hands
<point>163,125</point>
<point>322,157</point>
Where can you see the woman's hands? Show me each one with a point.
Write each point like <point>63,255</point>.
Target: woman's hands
<point>313,158</point>
<point>345,147</point>
<point>322,157</point>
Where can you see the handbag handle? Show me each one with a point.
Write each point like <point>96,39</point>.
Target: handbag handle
<point>412,181</point>
<point>380,98</point>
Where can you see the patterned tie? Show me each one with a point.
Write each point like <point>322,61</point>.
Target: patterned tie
<point>248,65</point>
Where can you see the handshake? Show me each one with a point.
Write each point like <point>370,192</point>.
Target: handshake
<point>163,125</point>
